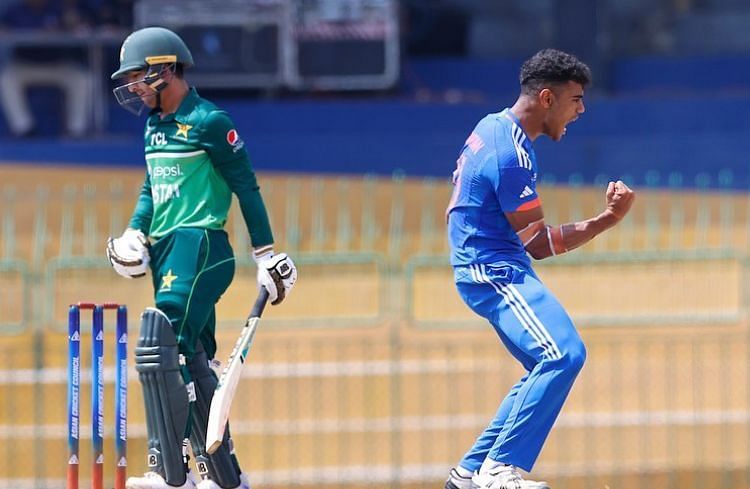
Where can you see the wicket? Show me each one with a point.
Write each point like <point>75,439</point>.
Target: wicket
<point>97,392</point>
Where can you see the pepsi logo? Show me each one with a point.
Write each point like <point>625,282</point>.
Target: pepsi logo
<point>233,137</point>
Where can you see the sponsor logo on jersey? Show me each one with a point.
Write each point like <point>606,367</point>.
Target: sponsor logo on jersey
<point>158,139</point>
<point>234,140</point>
<point>166,171</point>
<point>526,192</point>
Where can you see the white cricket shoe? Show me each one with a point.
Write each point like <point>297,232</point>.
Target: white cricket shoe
<point>457,481</point>
<point>209,484</point>
<point>152,480</point>
<point>505,477</point>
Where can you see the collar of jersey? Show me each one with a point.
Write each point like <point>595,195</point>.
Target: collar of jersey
<point>510,115</point>
<point>507,112</point>
<point>183,111</point>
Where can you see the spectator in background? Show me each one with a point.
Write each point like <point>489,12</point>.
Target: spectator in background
<point>114,14</point>
<point>435,28</point>
<point>57,64</point>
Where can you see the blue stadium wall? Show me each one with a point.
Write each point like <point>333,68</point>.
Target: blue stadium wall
<point>687,119</point>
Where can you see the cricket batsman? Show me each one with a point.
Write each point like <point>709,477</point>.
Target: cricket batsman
<point>195,161</point>
<point>495,222</point>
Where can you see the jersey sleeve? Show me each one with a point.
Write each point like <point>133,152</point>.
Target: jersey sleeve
<point>515,185</point>
<point>220,138</point>
<point>144,208</point>
<point>227,151</point>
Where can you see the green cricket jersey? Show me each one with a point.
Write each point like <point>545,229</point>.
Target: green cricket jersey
<point>195,161</point>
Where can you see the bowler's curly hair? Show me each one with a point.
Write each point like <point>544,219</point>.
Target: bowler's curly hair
<point>551,67</point>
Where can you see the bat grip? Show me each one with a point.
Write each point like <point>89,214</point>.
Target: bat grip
<point>260,303</point>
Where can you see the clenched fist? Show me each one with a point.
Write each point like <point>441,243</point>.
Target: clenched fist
<point>619,199</point>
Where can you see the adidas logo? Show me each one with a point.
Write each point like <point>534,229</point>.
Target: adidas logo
<point>526,192</point>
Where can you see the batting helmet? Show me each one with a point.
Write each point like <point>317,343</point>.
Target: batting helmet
<point>155,51</point>
<point>151,46</point>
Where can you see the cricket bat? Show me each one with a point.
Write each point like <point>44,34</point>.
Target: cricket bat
<point>218,413</point>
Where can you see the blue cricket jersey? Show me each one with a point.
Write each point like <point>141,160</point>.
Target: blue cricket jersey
<point>495,173</point>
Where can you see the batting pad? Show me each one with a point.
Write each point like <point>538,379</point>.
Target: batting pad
<point>221,466</point>
<point>165,396</point>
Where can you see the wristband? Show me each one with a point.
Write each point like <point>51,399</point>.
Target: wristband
<point>263,253</point>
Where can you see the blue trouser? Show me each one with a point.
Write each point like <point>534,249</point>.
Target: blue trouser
<point>538,333</point>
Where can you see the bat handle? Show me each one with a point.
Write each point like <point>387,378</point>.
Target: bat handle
<point>260,303</point>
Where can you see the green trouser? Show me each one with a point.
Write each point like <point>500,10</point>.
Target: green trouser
<point>191,268</point>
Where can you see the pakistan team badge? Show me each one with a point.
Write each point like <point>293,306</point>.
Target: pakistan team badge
<point>182,130</point>
<point>166,280</point>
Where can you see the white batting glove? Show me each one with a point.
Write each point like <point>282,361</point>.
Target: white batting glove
<point>128,254</point>
<point>276,273</point>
